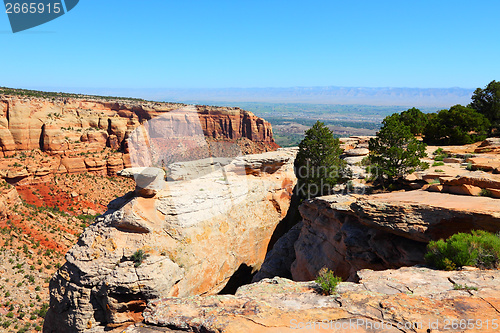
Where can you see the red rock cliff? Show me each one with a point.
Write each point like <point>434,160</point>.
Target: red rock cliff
<point>67,130</point>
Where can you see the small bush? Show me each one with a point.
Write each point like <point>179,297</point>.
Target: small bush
<point>327,281</point>
<point>469,167</point>
<point>439,163</point>
<point>485,192</point>
<point>438,151</point>
<point>479,248</point>
<point>438,170</point>
<point>138,257</point>
<point>464,287</point>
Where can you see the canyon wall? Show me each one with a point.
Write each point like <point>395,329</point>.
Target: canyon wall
<point>76,135</point>
<point>176,238</point>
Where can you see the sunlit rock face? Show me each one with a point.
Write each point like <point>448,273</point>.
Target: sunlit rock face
<point>195,233</point>
<point>389,230</point>
<point>75,135</point>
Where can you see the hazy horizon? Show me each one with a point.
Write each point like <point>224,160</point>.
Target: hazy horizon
<point>331,95</point>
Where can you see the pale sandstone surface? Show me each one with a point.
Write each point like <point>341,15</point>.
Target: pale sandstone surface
<point>196,234</point>
<point>410,299</point>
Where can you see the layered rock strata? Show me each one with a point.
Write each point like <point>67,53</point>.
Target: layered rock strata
<point>176,238</point>
<point>390,230</point>
<point>78,135</point>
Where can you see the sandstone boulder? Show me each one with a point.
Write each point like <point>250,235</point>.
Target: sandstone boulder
<point>357,152</point>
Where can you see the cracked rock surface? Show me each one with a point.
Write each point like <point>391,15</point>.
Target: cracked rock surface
<point>385,301</point>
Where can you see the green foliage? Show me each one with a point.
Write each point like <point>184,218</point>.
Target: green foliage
<point>318,165</point>
<point>415,119</point>
<point>439,154</point>
<point>395,151</point>
<point>478,248</point>
<point>47,94</point>
<point>138,257</point>
<point>439,163</point>
<point>457,286</point>
<point>487,102</point>
<point>457,126</point>
<point>327,281</point>
<point>485,192</point>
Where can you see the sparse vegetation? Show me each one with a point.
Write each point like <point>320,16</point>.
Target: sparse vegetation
<point>327,281</point>
<point>138,257</point>
<point>47,94</point>
<point>464,287</point>
<point>478,248</point>
<point>485,192</point>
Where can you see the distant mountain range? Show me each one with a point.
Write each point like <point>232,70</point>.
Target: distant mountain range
<point>418,97</point>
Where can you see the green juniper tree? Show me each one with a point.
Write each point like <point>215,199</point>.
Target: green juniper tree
<point>415,119</point>
<point>395,152</point>
<point>457,126</point>
<point>487,102</point>
<point>318,165</point>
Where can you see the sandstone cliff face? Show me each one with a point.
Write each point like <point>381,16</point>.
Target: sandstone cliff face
<point>68,128</point>
<point>196,233</point>
<point>391,230</point>
<point>410,299</point>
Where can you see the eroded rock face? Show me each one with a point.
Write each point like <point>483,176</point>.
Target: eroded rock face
<point>410,299</point>
<point>195,234</point>
<point>390,230</point>
<point>66,130</point>
<point>8,197</point>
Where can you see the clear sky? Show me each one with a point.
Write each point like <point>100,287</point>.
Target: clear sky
<point>253,43</point>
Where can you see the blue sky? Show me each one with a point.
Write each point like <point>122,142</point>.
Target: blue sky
<point>251,43</point>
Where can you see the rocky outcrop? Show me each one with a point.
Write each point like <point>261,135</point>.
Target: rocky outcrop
<point>413,299</point>
<point>176,238</point>
<point>67,130</point>
<point>488,146</point>
<point>8,197</point>
<point>466,183</point>
<point>390,230</point>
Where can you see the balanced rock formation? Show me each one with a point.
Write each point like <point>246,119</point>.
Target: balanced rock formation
<point>410,299</point>
<point>176,238</point>
<point>390,230</point>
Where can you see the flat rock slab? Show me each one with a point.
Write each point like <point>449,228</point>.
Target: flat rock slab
<point>424,216</point>
<point>483,205</point>
<point>412,296</point>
